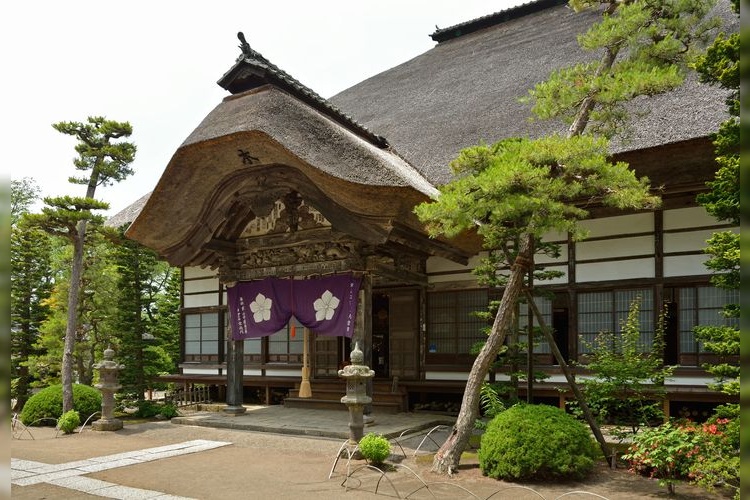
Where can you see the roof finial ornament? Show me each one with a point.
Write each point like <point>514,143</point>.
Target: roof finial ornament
<point>244,46</point>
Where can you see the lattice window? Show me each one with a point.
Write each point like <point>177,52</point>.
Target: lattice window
<point>202,334</point>
<point>452,328</point>
<point>703,306</point>
<point>607,311</point>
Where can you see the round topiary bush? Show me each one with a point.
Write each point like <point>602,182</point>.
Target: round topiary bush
<point>374,448</point>
<point>536,442</point>
<point>47,404</point>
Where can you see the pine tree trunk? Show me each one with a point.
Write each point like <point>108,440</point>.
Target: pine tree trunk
<point>75,287</point>
<point>448,456</point>
<point>70,328</point>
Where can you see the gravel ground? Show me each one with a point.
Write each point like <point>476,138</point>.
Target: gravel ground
<point>259,465</point>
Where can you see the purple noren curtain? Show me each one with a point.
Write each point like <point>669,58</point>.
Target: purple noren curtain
<point>326,305</point>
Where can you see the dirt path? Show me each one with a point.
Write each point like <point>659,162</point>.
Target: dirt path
<point>262,465</point>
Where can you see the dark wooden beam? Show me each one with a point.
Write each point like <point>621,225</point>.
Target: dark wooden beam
<point>396,274</point>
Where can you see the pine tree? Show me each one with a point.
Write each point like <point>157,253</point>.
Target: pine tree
<point>106,162</point>
<point>515,191</point>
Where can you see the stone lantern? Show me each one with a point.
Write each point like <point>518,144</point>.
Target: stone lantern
<point>356,375</point>
<point>108,385</point>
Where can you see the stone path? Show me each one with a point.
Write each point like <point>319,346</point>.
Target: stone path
<point>69,475</point>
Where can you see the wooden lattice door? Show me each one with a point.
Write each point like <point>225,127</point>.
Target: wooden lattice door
<point>403,333</point>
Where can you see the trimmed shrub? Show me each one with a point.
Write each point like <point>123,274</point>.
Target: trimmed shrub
<point>536,442</point>
<point>375,448</point>
<point>69,421</point>
<point>149,409</point>
<point>47,404</point>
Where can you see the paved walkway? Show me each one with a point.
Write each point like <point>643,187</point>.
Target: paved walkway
<point>68,475</point>
<point>319,423</point>
<point>298,449</point>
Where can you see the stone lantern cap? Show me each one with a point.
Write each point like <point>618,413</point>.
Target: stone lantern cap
<point>357,369</point>
<point>108,362</point>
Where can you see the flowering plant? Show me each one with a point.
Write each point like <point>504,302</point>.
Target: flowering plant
<point>683,450</point>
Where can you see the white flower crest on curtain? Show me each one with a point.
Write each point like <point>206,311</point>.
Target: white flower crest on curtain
<point>261,308</point>
<point>325,306</point>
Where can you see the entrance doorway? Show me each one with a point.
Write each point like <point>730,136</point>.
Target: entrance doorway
<point>560,332</point>
<point>380,334</point>
<point>395,333</point>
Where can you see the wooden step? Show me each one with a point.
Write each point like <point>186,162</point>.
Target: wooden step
<point>328,393</point>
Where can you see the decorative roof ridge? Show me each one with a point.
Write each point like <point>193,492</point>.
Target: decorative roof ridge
<point>270,73</point>
<point>444,34</point>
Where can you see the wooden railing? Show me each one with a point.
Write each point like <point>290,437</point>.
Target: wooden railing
<point>191,395</point>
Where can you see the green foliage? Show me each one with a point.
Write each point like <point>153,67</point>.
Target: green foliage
<point>523,186</point>
<point>68,421</point>
<point>490,401</point>
<point>375,448</point>
<point>23,194</point>
<point>63,213</point>
<point>627,387</point>
<point>147,318</point>
<point>530,442</point>
<point>707,454</point>
<point>105,160</point>
<point>720,65</point>
<point>31,284</point>
<point>47,403</point>
<point>149,409</point>
<point>646,47</point>
<point>96,310</point>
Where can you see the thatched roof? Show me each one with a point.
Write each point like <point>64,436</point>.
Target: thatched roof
<point>127,215</point>
<point>253,149</point>
<point>466,90</point>
<point>275,134</point>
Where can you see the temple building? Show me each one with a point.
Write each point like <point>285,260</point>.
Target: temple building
<point>283,204</point>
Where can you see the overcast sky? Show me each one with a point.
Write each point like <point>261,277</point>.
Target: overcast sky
<point>155,64</point>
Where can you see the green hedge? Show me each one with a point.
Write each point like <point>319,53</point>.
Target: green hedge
<point>536,442</point>
<point>47,404</point>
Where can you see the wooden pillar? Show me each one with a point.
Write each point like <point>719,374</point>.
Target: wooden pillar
<point>235,373</point>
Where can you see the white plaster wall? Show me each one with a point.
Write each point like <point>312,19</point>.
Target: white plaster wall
<point>685,265</point>
<point>456,272</point>
<point>619,247</point>
<point>621,224</point>
<point>440,265</point>
<point>615,270</point>
<point>688,241</point>
<point>203,285</point>
<point>284,373</point>
<point>202,300</point>
<point>682,218</point>
<point>197,272</point>
<point>200,371</point>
